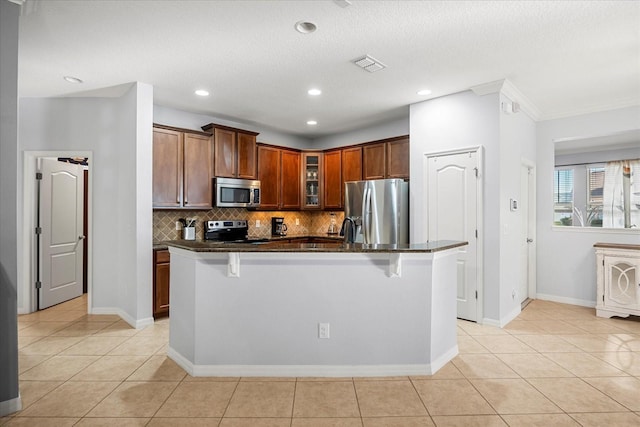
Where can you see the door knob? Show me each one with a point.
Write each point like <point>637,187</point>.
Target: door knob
<point>81,237</point>
<point>529,240</point>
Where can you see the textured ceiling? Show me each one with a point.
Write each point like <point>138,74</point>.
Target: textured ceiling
<point>567,57</point>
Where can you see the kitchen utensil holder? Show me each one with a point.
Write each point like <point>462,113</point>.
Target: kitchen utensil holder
<point>189,233</point>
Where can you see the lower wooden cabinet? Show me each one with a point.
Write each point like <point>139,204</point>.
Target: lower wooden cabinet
<point>161,260</point>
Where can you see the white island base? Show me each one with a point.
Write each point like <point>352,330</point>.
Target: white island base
<point>259,313</point>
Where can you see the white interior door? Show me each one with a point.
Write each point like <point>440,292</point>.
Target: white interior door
<point>452,215</point>
<point>526,234</point>
<point>60,214</point>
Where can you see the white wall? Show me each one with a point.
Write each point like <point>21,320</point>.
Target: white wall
<point>184,119</point>
<point>466,120</point>
<point>517,143</point>
<point>9,29</point>
<point>383,130</point>
<point>452,122</point>
<point>117,132</point>
<point>566,259</point>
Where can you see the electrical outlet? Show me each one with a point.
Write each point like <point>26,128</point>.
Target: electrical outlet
<point>257,223</point>
<point>323,330</point>
<point>178,225</point>
<point>297,221</point>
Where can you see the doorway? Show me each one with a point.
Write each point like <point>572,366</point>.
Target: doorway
<point>527,288</point>
<point>454,212</point>
<point>64,262</point>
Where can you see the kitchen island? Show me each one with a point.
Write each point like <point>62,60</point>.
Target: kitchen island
<point>312,309</point>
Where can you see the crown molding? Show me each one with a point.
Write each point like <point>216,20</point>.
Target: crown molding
<point>509,90</point>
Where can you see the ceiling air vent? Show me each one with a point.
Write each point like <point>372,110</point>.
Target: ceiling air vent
<point>370,64</point>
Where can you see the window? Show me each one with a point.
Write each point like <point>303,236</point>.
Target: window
<point>563,196</point>
<point>595,191</point>
<point>597,194</point>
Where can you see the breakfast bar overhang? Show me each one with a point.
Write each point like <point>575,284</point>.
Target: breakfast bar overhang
<point>257,310</point>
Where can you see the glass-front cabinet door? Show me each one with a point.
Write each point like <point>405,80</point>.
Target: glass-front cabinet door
<point>312,181</point>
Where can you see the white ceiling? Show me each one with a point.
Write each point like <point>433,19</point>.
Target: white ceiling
<point>566,57</point>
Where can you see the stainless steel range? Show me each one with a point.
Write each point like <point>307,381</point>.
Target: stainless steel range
<point>235,231</point>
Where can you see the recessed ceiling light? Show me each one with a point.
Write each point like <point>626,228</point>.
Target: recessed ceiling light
<point>312,122</point>
<point>305,27</point>
<point>314,92</point>
<point>424,92</point>
<point>201,92</point>
<point>72,79</point>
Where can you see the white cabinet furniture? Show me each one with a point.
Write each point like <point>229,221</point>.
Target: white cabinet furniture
<point>618,279</point>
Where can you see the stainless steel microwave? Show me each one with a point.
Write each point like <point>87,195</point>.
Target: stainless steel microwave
<point>236,193</point>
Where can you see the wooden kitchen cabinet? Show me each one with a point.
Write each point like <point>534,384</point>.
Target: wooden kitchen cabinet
<point>234,152</point>
<point>290,180</point>
<point>351,164</point>
<point>398,158</point>
<point>161,262</point>
<point>387,158</point>
<point>374,160</point>
<point>312,183</point>
<point>269,176</point>
<point>279,175</point>
<point>332,175</point>
<point>182,168</point>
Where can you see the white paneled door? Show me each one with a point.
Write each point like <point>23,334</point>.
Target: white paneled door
<point>453,215</point>
<point>60,218</point>
<point>527,244</point>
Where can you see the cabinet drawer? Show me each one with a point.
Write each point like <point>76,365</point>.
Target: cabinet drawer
<point>162,256</point>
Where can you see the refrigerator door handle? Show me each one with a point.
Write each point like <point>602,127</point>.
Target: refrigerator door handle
<point>366,215</point>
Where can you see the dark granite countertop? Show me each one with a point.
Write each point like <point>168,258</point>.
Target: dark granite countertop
<point>338,246</point>
<point>158,246</point>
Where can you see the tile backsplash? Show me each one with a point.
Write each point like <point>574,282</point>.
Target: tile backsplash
<point>310,222</point>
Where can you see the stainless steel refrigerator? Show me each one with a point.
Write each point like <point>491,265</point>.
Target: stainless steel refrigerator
<point>376,212</point>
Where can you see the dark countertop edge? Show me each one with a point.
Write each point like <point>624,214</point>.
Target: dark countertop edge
<point>160,246</point>
<point>202,246</point>
<point>617,246</point>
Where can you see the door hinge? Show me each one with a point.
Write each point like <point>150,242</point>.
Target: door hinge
<point>476,294</point>
<point>38,175</point>
<point>603,263</point>
<point>476,171</point>
<point>38,285</point>
<point>38,230</point>
<point>602,297</point>
<point>476,234</point>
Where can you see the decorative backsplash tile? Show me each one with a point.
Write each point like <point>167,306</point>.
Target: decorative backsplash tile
<point>310,222</point>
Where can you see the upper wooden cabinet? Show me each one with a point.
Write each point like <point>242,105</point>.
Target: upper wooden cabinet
<point>269,176</point>
<point>279,175</point>
<point>290,182</point>
<point>374,160</point>
<point>234,152</point>
<point>312,182</point>
<point>351,164</point>
<point>398,158</point>
<point>388,158</point>
<point>332,174</point>
<point>182,168</point>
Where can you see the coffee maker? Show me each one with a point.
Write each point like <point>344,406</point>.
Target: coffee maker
<point>278,227</point>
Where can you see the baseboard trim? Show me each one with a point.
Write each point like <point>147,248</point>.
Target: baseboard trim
<point>509,317</point>
<point>135,323</point>
<point>10,406</point>
<point>309,370</point>
<point>491,322</point>
<point>565,300</point>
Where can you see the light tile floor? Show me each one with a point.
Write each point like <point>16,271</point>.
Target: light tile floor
<point>555,365</point>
